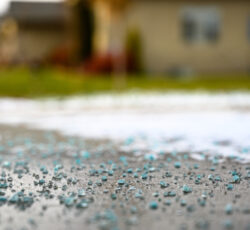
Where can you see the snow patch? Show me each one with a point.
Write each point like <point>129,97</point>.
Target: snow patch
<point>198,123</point>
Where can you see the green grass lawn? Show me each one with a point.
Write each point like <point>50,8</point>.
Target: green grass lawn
<point>22,82</point>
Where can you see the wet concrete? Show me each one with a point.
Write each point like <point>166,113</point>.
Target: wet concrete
<point>106,204</point>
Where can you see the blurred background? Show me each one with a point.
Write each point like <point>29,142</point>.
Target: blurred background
<point>80,46</point>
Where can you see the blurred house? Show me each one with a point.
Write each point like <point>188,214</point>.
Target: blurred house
<point>39,28</point>
<point>181,35</point>
<point>159,36</point>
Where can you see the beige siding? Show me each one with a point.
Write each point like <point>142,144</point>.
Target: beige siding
<point>35,44</point>
<point>159,25</point>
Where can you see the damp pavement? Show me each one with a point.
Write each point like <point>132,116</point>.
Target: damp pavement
<point>51,181</point>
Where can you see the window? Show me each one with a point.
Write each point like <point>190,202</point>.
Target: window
<point>200,24</point>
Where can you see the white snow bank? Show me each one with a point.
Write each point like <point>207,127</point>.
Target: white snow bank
<point>151,121</point>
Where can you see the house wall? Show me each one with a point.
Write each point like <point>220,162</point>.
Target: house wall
<point>159,23</point>
<point>36,44</point>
